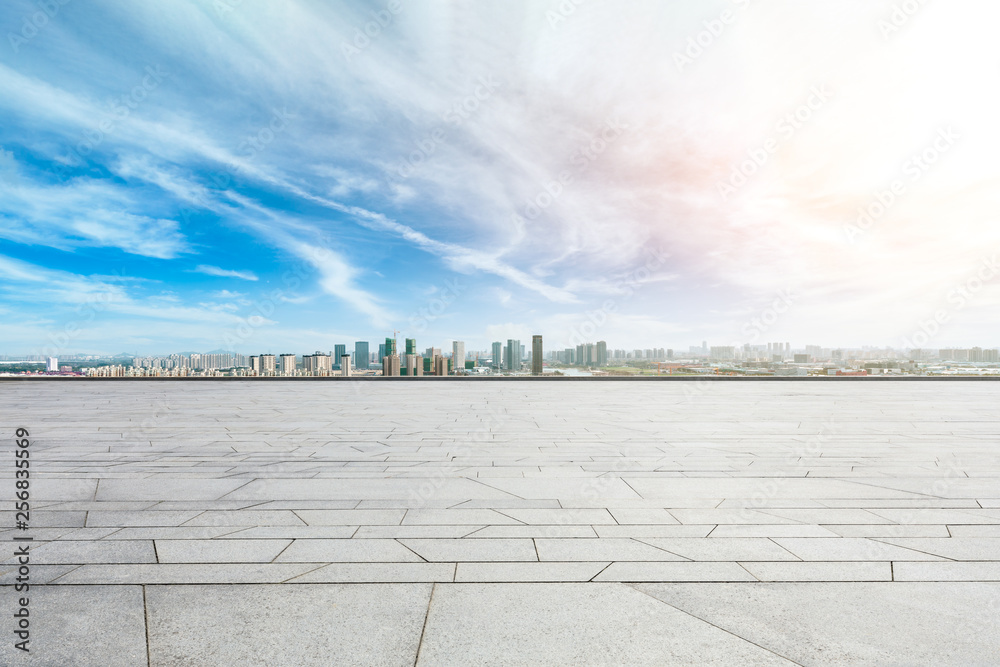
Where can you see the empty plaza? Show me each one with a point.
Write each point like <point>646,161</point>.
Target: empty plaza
<point>452,522</point>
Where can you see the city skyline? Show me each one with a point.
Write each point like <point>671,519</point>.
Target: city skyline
<point>214,175</point>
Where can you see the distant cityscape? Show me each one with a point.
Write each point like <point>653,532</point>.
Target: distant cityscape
<point>515,359</point>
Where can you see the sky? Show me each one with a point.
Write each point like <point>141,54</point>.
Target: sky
<point>282,177</point>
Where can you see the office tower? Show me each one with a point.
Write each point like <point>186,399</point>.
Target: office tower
<point>338,352</point>
<point>411,346</point>
<point>602,353</point>
<point>513,361</point>
<point>497,354</point>
<point>288,364</point>
<point>381,352</point>
<point>361,355</point>
<point>458,355</point>
<point>536,355</point>
<point>254,365</point>
<point>345,365</point>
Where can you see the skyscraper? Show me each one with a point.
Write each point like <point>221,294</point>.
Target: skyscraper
<point>497,354</point>
<point>513,360</point>
<point>390,346</point>
<point>536,355</point>
<point>361,355</point>
<point>458,355</point>
<point>411,346</point>
<point>338,352</point>
<point>602,353</point>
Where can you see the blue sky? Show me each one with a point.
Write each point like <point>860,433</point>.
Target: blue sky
<point>268,177</point>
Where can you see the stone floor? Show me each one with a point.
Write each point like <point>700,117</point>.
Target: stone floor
<point>510,523</point>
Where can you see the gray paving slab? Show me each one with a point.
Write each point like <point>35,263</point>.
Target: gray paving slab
<point>83,626</point>
<point>927,623</point>
<point>310,624</point>
<point>219,551</point>
<point>440,550</point>
<point>346,551</point>
<point>572,624</point>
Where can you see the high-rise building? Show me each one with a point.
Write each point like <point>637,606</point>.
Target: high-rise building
<point>267,364</point>
<point>411,346</point>
<point>255,365</point>
<point>536,355</point>
<point>288,364</point>
<point>390,365</point>
<point>338,352</point>
<point>345,365</point>
<point>601,353</point>
<point>458,355</point>
<point>497,354</point>
<point>381,352</point>
<point>440,365</point>
<point>390,346</point>
<point>52,364</point>
<point>317,364</point>
<point>362,357</point>
<point>414,365</point>
<point>513,352</point>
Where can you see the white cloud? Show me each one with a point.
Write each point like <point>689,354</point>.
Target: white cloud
<point>224,273</point>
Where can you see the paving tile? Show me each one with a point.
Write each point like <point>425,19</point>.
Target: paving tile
<point>246,518</point>
<point>674,571</point>
<point>889,530</point>
<point>352,517</point>
<point>452,551</point>
<point>929,623</point>
<point>78,552</point>
<point>185,573</point>
<point>563,517</point>
<point>533,531</point>
<point>138,518</point>
<point>307,624</point>
<point>166,489</point>
<point>219,551</point>
<point>777,530</point>
<point>605,549</point>
<point>83,626</point>
<point>663,530</point>
<point>642,516</point>
<point>949,571</point>
<point>379,573</point>
<point>571,624</point>
<point>817,571</point>
<point>722,548</point>
<point>955,548</point>
<point>347,551</point>
<point>848,548</point>
<point>527,572</point>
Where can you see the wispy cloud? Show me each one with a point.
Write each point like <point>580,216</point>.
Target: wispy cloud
<point>224,273</point>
